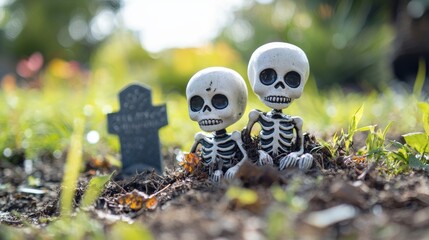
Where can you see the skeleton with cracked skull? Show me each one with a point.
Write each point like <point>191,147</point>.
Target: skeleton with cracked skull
<point>277,73</point>
<point>217,98</point>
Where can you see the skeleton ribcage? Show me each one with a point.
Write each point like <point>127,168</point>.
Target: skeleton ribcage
<point>276,135</point>
<point>219,149</point>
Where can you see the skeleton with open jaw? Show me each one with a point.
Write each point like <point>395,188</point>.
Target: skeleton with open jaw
<point>217,98</point>
<point>277,73</point>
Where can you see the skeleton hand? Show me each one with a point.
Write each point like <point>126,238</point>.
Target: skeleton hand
<point>305,161</point>
<point>217,176</point>
<point>289,161</point>
<point>264,158</point>
<point>231,172</point>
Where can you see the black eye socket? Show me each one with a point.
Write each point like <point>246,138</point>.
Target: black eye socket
<point>219,101</point>
<point>292,79</point>
<point>268,76</point>
<point>196,103</point>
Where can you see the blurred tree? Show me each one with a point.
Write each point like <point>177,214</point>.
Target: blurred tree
<point>411,44</point>
<point>176,66</point>
<point>347,41</point>
<point>121,59</point>
<point>61,28</point>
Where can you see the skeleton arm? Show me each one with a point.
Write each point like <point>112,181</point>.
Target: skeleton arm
<point>198,137</point>
<point>236,136</point>
<point>263,157</point>
<point>304,161</point>
<point>299,135</point>
<point>253,118</point>
<point>292,158</point>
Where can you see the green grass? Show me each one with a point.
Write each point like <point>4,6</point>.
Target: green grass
<point>78,224</point>
<point>41,120</point>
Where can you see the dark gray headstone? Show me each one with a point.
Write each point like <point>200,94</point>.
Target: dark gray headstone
<point>137,124</point>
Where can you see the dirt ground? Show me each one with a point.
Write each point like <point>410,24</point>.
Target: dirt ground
<point>342,198</point>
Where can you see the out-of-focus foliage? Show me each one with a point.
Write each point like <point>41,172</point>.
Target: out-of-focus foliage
<point>178,65</point>
<point>60,28</point>
<point>82,226</point>
<point>121,58</point>
<point>39,118</point>
<point>346,42</point>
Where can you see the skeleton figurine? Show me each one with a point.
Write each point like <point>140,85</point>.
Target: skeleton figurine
<point>277,74</point>
<point>217,98</point>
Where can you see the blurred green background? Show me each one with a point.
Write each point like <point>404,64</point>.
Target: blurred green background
<point>65,60</point>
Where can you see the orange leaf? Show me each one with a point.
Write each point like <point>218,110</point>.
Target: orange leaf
<point>359,159</point>
<point>151,203</point>
<point>134,199</point>
<point>190,162</point>
<point>99,163</point>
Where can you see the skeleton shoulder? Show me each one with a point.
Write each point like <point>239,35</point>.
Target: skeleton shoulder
<point>236,136</point>
<point>254,114</point>
<point>199,136</point>
<point>298,121</point>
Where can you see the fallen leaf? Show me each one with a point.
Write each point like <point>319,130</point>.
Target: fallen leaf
<point>151,203</point>
<point>99,163</point>
<point>190,162</point>
<point>136,200</point>
<point>359,159</point>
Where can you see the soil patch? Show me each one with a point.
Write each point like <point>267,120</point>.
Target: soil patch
<point>337,198</point>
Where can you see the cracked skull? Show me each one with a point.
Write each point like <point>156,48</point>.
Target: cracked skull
<point>217,98</point>
<point>277,73</point>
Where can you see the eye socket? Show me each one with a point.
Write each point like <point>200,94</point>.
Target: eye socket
<point>196,103</point>
<point>219,101</point>
<point>292,79</point>
<point>268,76</point>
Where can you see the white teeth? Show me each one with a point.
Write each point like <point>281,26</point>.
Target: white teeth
<point>208,122</point>
<point>278,99</point>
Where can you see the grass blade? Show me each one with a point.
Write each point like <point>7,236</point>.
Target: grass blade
<point>72,168</point>
<point>420,78</point>
<point>424,107</point>
<point>95,187</point>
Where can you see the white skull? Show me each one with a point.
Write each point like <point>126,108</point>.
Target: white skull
<point>277,73</point>
<point>217,98</point>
